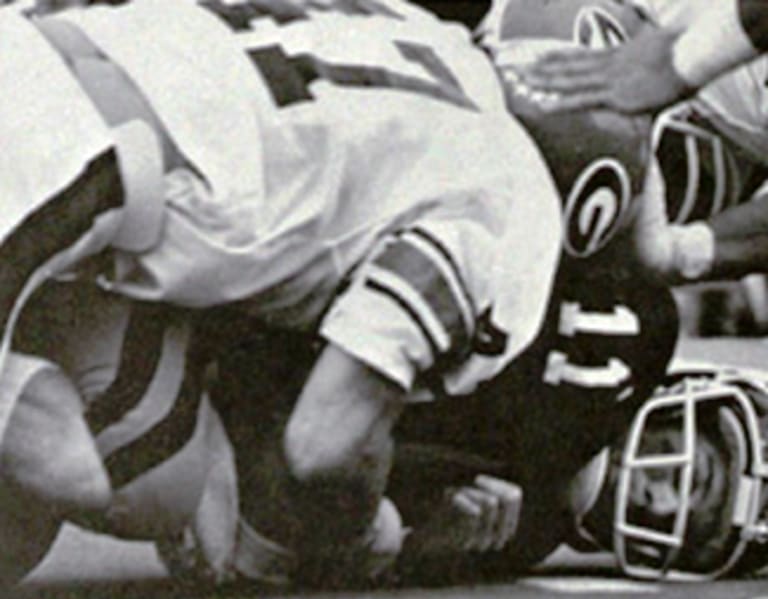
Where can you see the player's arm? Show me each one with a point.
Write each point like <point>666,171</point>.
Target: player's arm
<point>725,35</point>
<point>665,251</point>
<point>730,244</point>
<point>407,308</point>
<point>739,240</point>
<point>651,231</point>
<point>337,447</point>
<point>657,67</point>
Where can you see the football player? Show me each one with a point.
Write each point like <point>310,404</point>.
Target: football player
<point>598,337</point>
<point>683,495</point>
<point>720,170</point>
<point>259,172</point>
<point>712,149</point>
<point>604,346</point>
<point>242,174</point>
<point>709,168</point>
<point>572,382</point>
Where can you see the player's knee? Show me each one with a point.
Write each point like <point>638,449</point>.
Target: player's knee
<point>81,482</point>
<point>70,478</point>
<point>48,450</point>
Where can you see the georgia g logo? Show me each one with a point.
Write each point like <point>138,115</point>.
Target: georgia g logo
<point>595,207</point>
<point>596,28</point>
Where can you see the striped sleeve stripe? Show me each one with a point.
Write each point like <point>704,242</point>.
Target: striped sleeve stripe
<point>405,267</point>
<point>423,285</point>
<point>412,303</point>
<point>405,305</point>
<point>444,260</point>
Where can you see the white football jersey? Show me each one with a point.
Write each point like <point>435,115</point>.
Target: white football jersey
<point>362,142</point>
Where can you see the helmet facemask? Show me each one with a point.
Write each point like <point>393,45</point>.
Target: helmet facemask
<point>687,488</point>
<point>703,176</point>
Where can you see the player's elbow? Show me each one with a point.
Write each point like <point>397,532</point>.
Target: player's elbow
<point>310,454</point>
<point>316,450</point>
<point>301,456</point>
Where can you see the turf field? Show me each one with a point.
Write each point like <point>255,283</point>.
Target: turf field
<point>83,565</point>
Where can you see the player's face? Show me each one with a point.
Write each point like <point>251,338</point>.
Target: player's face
<point>655,498</point>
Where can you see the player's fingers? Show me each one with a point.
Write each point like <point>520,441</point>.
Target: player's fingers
<point>510,502</point>
<point>465,503</point>
<point>471,513</point>
<point>574,62</point>
<point>582,100</point>
<point>485,530</point>
<point>566,82</point>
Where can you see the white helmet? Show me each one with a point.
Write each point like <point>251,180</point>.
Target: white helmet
<point>685,496</point>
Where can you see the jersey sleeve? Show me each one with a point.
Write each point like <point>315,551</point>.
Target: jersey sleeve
<point>411,305</point>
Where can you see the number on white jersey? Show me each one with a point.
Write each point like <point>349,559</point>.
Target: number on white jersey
<point>290,75</point>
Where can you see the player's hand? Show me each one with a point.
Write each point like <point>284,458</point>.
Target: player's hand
<point>490,510</point>
<point>477,517</point>
<point>635,77</point>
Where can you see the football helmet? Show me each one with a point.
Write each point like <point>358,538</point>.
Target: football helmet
<point>703,172</point>
<point>685,497</point>
<point>597,158</point>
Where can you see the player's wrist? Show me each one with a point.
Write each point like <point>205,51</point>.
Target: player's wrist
<point>713,44</point>
<point>694,250</point>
